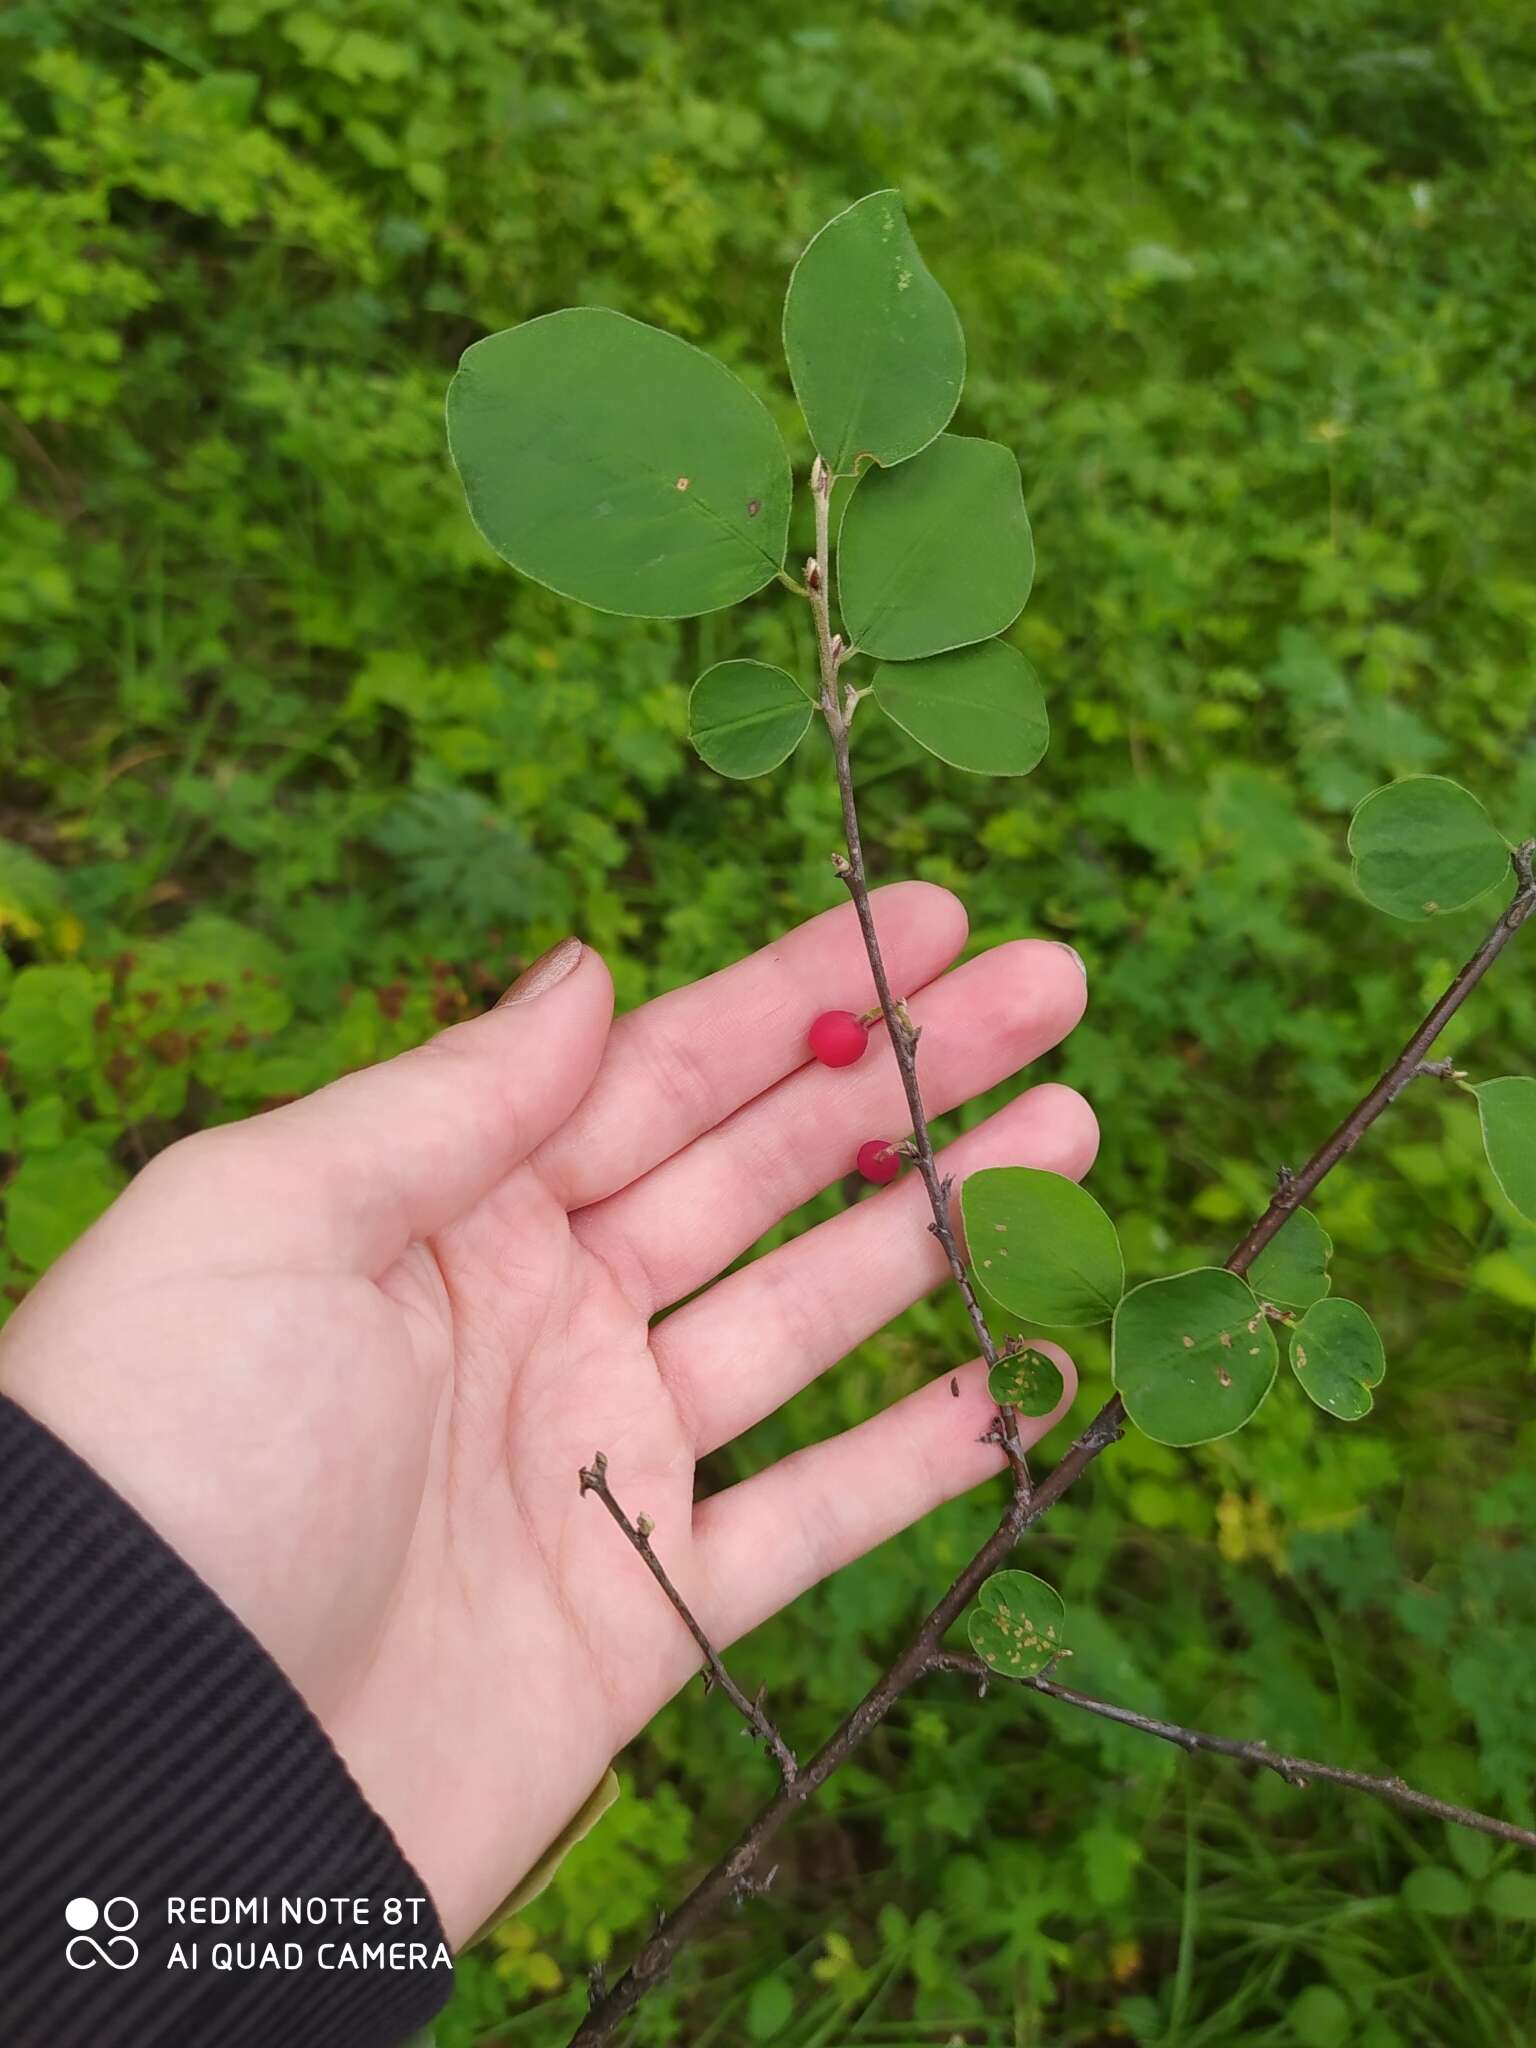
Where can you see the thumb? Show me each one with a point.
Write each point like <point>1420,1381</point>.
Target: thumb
<point>354,1173</point>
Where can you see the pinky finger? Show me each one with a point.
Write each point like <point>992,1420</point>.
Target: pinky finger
<point>765,1540</point>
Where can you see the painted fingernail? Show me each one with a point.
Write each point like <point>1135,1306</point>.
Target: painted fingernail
<point>544,972</point>
<point>1082,965</point>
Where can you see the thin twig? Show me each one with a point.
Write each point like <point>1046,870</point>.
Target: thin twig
<point>594,1479</point>
<point>897,1020</point>
<point>1297,1771</point>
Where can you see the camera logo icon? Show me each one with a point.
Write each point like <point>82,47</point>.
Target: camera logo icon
<point>116,1949</point>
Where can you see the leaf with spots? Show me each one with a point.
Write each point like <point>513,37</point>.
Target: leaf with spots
<point>1337,1355</point>
<point>1425,845</point>
<point>1026,1380</point>
<point>874,346</point>
<point>1193,1356</point>
<point>1018,1624</point>
<point>1041,1247</point>
<point>746,717</point>
<point>1292,1269</point>
<point>619,465</point>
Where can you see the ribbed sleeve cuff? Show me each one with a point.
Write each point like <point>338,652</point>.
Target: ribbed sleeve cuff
<point>157,1766</point>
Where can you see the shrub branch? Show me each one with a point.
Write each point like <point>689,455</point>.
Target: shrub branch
<point>1028,1504</point>
<point>1297,1771</point>
<point>1410,1065</point>
<point>1410,1062</point>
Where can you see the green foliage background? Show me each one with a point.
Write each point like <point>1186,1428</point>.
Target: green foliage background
<point>291,771</point>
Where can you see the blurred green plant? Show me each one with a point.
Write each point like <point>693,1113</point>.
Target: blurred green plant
<point>1249,293</point>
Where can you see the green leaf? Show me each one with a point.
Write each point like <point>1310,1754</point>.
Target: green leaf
<point>874,347</point>
<point>48,1019</point>
<point>1507,1110</point>
<point>33,898</point>
<point>745,717</point>
<point>936,554</point>
<point>1041,1246</point>
<point>979,708</point>
<point>770,2008</point>
<point>1425,845</point>
<point>1111,1859</point>
<point>1026,1380</point>
<point>1018,1624</point>
<point>1193,1356</point>
<point>1336,1354</point>
<point>619,465</point>
<point>54,1197</point>
<point>1292,1269</point>
<point>1474,1852</point>
<point>1512,1895</point>
<point>1508,1276</point>
<point>1319,2018</point>
<point>1434,1889</point>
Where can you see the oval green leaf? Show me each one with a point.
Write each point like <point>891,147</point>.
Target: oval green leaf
<point>1425,845</point>
<point>1018,1624</point>
<point>1337,1355</point>
<point>978,708</point>
<point>936,554</point>
<point>745,717</point>
<point>1507,1109</point>
<point>1319,2018</point>
<point>1292,1269</point>
<point>1041,1246</point>
<point>1193,1356</point>
<point>1028,1381</point>
<point>1511,1894</point>
<point>619,465</point>
<point>1434,1889</point>
<point>874,346</point>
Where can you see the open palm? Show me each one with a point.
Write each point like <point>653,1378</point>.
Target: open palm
<point>348,1357</point>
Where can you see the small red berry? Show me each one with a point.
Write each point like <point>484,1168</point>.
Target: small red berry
<point>879,1160</point>
<point>838,1038</point>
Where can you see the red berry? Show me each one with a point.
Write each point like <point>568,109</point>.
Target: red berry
<point>838,1038</point>
<point>879,1160</point>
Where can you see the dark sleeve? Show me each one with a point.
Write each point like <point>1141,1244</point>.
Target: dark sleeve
<point>151,1752</point>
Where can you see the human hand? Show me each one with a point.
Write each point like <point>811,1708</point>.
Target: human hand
<point>347,1357</point>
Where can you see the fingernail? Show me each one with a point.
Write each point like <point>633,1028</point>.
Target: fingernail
<point>544,972</point>
<point>1082,965</point>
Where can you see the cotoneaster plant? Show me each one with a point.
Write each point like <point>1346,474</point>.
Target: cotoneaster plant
<point>626,469</point>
